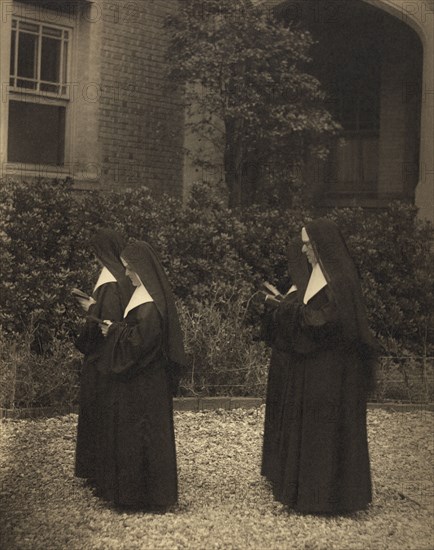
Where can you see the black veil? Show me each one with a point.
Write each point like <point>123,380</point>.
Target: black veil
<point>343,280</point>
<point>145,262</point>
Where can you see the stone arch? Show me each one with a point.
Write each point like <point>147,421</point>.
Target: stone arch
<point>404,11</point>
<point>418,16</point>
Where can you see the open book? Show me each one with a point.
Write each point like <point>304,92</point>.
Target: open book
<point>272,295</point>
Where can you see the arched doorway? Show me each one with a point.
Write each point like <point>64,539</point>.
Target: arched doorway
<point>370,63</point>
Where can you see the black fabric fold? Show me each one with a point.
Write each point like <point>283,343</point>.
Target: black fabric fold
<point>343,280</point>
<point>144,260</point>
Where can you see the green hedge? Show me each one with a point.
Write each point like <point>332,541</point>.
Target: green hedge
<point>215,259</point>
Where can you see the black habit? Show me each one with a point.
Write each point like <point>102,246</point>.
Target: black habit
<point>278,334</point>
<point>110,300</point>
<point>145,356</point>
<point>319,461</point>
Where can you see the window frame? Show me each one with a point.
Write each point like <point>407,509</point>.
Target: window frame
<point>64,77</point>
<point>64,23</point>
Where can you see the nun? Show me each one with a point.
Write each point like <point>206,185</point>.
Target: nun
<point>145,359</point>
<point>109,298</point>
<point>278,335</point>
<point>321,463</point>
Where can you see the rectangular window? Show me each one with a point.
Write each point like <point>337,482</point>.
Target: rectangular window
<point>39,93</point>
<point>358,108</point>
<point>39,58</point>
<point>36,133</point>
<point>353,167</point>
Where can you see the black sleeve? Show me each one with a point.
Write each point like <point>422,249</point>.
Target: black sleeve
<point>135,344</point>
<point>319,322</point>
<point>108,306</point>
<point>283,322</point>
<point>304,328</point>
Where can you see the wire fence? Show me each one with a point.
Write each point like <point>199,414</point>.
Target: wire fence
<point>401,378</point>
<point>405,378</point>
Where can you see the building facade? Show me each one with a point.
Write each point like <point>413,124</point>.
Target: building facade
<point>84,95</point>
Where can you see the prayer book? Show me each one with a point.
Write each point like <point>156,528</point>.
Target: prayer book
<point>272,295</point>
<point>97,320</point>
<point>272,290</point>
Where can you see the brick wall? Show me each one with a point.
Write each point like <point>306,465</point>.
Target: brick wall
<point>140,120</point>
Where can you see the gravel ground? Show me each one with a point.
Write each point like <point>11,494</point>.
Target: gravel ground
<point>224,502</point>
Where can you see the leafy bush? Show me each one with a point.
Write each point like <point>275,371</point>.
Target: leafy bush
<point>203,249</point>
<point>264,241</point>
<point>41,242</point>
<point>394,252</point>
<point>28,379</point>
<point>224,359</point>
<point>215,258</point>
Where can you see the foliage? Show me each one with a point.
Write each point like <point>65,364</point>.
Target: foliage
<point>28,379</point>
<point>224,359</point>
<point>203,248</point>
<point>41,240</point>
<point>215,259</point>
<point>248,91</point>
<point>265,239</point>
<point>394,253</point>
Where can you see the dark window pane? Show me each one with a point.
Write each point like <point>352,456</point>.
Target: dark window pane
<point>49,31</point>
<point>27,55</point>
<point>30,85</point>
<point>29,27</point>
<point>50,59</point>
<point>12,66</point>
<point>65,62</point>
<point>36,133</point>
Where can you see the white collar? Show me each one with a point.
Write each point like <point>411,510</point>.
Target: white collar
<point>316,282</point>
<point>291,290</point>
<point>140,296</point>
<point>105,277</point>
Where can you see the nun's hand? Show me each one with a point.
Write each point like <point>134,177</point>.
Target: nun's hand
<point>105,327</point>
